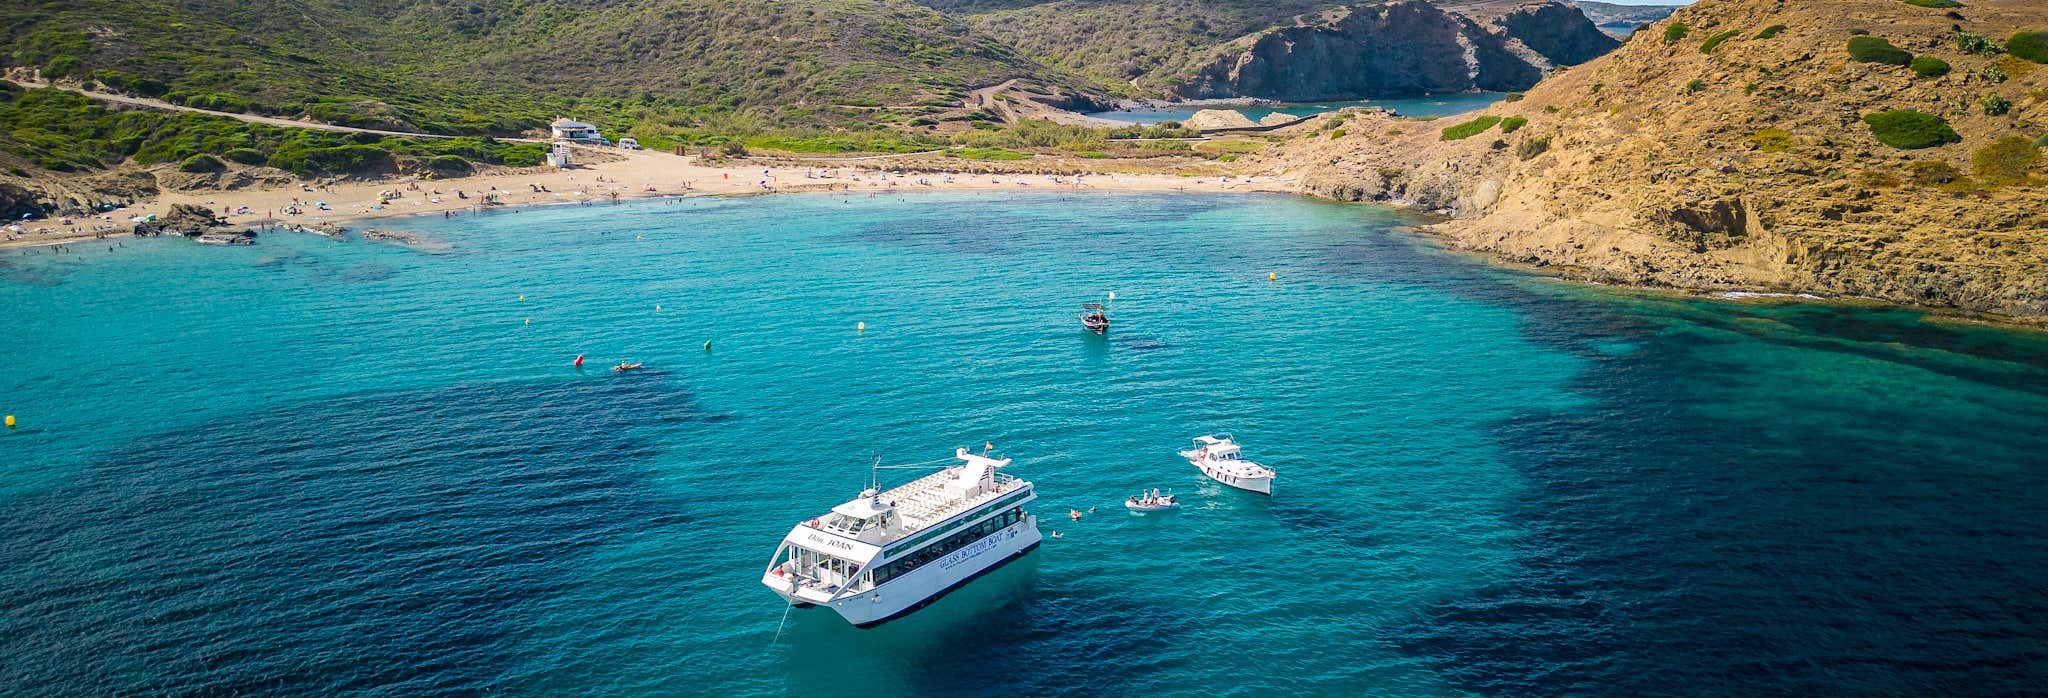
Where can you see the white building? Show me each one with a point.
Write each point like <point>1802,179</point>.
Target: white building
<point>571,130</point>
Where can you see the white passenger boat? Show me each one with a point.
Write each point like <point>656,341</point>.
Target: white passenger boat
<point>885,554</point>
<point>1220,458</point>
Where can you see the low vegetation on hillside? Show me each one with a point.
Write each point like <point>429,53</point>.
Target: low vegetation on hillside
<point>65,132</point>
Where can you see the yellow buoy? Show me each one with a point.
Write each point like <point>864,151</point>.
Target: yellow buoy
<point>522,296</point>
<point>10,421</point>
<point>1272,276</point>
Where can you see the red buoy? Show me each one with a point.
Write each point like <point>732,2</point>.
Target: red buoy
<point>579,361</point>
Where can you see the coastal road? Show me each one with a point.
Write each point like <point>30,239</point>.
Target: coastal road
<point>160,105</point>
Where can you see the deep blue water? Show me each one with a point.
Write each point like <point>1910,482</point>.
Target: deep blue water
<point>327,468</point>
<point>1428,105</point>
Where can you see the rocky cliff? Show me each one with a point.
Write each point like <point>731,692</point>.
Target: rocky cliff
<point>1737,153</point>
<point>1401,48</point>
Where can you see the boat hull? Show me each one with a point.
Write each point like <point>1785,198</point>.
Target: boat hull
<point>1261,485</point>
<point>920,587</point>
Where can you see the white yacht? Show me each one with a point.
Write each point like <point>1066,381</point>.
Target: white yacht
<point>1220,458</point>
<point>885,554</point>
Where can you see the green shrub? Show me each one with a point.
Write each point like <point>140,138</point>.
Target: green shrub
<point>61,66</point>
<point>1715,40</point>
<point>201,163</point>
<point>1470,128</point>
<point>448,164</point>
<point>1532,147</point>
<point>2032,46</point>
<point>732,149</point>
<point>1695,85</point>
<point>1512,124</point>
<point>246,156</point>
<point>1934,174</point>
<point>1874,49</point>
<point>1973,44</point>
<point>2042,141</point>
<point>988,154</point>
<point>1339,133</point>
<point>1906,129</point>
<point>1992,74</point>
<point>1770,31</point>
<point>1675,32</point>
<point>1930,67</point>
<point>2007,160</point>
<point>1513,97</point>
<point>1772,140</point>
<point>1937,4</point>
<point>1995,105</point>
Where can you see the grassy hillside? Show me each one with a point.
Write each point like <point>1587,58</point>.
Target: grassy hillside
<point>1117,42</point>
<point>499,66</point>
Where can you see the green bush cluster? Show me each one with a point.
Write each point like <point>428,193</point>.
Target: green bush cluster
<point>201,163</point>
<point>1512,124</point>
<point>2032,46</point>
<point>1470,128</point>
<point>1714,41</point>
<point>1906,129</point>
<point>1771,31</point>
<point>1532,147</point>
<point>1873,49</point>
<point>1995,105</point>
<point>1937,4</point>
<point>986,154</point>
<point>1930,67</point>
<point>1675,32</point>
<point>1973,44</point>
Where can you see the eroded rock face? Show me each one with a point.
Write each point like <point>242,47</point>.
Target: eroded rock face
<point>1402,48</point>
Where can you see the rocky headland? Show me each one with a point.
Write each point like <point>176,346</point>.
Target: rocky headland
<point>1741,145</point>
<point>1401,48</point>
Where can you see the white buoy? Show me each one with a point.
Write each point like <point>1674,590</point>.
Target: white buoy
<point>657,307</point>
<point>860,327</point>
<point>522,296</point>
<point>529,321</point>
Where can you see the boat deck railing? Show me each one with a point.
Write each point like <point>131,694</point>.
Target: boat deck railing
<point>927,507</point>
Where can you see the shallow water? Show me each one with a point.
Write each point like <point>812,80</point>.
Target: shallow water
<point>1428,105</point>
<point>318,467</point>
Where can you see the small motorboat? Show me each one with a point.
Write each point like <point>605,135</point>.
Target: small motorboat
<point>1095,318</point>
<point>1152,500</point>
<point>1220,458</point>
<point>624,366</point>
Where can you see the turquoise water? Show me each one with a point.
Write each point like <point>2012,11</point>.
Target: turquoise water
<point>1428,105</point>
<point>318,467</point>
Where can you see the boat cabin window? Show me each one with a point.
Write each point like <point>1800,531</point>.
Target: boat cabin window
<point>852,526</point>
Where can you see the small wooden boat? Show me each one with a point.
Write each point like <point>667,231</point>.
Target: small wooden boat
<point>1152,500</point>
<point>623,366</point>
<point>1095,317</point>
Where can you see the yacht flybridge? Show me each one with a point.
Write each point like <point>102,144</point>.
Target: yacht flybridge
<point>1220,458</point>
<point>887,553</point>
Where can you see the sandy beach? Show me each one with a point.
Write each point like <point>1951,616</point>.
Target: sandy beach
<point>611,175</point>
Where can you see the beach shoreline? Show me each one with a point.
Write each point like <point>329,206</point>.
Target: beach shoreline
<point>618,176</point>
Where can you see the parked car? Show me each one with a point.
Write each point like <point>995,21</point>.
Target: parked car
<point>629,144</point>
